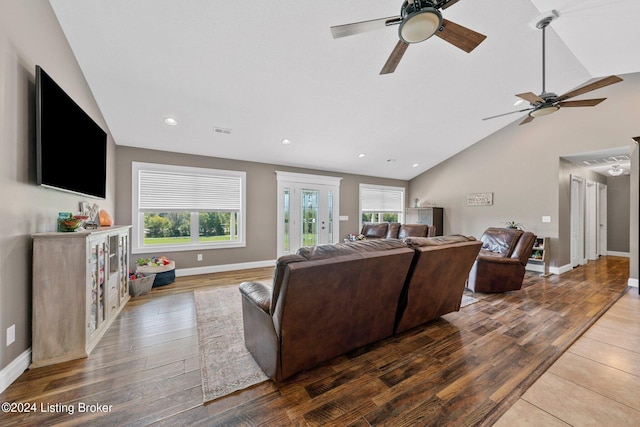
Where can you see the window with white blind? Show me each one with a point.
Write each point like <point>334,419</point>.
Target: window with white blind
<point>379,203</point>
<point>184,208</point>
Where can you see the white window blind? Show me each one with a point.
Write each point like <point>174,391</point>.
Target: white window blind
<point>382,199</point>
<point>168,191</point>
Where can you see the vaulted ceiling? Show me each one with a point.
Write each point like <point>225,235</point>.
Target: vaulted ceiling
<point>239,77</point>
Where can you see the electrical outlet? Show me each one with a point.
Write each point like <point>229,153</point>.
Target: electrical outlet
<point>199,257</point>
<point>11,335</point>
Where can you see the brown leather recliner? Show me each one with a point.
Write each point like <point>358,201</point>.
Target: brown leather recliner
<point>501,263</point>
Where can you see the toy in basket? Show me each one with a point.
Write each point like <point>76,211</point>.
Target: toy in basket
<point>162,267</point>
<point>140,284</point>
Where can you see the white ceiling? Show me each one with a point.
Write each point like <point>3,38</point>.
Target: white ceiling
<point>269,70</point>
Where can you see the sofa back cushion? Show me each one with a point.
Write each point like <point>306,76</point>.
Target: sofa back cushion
<point>330,305</point>
<point>413,230</point>
<point>338,249</point>
<point>500,241</point>
<point>375,230</point>
<point>437,278</point>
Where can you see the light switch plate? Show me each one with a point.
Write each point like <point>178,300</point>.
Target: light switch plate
<point>546,219</point>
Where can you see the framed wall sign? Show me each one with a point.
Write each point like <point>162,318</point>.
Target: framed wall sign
<point>479,199</point>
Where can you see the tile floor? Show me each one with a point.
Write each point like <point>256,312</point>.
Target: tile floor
<point>595,383</point>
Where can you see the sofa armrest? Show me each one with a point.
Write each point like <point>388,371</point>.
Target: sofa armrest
<point>258,294</point>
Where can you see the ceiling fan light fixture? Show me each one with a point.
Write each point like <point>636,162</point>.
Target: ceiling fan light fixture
<point>544,111</point>
<point>616,170</point>
<point>419,25</point>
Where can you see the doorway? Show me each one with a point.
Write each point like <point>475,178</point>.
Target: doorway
<point>602,219</point>
<point>308,207</point>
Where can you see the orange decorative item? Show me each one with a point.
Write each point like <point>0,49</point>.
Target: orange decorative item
<point>105,219</point>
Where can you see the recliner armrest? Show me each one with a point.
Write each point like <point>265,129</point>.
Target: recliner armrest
<point>497,259</point>
<point>258,294</point>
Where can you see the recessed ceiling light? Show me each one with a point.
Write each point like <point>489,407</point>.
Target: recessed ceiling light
<point>361,155</point>
<point>415,165</point>
<point>171,121</point>
<point>286,141</point>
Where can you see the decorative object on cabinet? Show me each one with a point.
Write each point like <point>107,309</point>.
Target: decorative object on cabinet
<point>429,216</point>
<point>540,255</point>
<point>80,284</point>
<point>91,210</point>
<point>105,218</point>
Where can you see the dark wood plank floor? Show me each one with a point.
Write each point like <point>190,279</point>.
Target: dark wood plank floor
<point>466,368</point>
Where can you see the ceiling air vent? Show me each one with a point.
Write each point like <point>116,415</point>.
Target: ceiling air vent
<point>222,130</point>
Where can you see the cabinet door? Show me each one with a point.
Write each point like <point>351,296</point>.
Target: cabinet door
<point>96,291</point>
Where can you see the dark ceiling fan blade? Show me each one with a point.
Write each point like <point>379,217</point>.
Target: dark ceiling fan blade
<point>530,96</point>
<point>527,120</point>
<point>394,58</point>
<point>362,27</point>
<point>592,86</point>
<point>449,4</point>
<point>506,114</point>
<point>582,103</point>
<point>459,36</point>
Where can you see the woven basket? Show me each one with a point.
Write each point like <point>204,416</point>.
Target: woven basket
<point>141,286</point>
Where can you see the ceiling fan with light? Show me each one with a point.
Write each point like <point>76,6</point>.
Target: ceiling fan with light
<point>418,20</point>
<point>548,102</point>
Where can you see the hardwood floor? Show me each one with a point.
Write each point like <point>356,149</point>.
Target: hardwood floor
<point>467,368</point>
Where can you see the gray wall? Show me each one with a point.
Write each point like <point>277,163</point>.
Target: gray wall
<point>261,203</point>
<point>618,209</point>
<point>30,35</point>
<point>634,229</point>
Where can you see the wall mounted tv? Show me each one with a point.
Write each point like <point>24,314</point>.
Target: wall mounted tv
<point>71,149</point>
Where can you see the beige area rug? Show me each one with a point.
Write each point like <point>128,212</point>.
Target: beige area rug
<point>226,365</point>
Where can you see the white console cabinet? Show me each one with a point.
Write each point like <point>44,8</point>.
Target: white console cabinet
<point>80,284</point>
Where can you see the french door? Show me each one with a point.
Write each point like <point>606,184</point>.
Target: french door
<point>308,207</point>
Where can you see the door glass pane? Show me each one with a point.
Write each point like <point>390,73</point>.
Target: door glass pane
<point>287,212</point>
<point>309,213</point>
<point>330,217</point>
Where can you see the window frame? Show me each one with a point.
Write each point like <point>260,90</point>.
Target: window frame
<point>400,213</point>
<point>137,216</point>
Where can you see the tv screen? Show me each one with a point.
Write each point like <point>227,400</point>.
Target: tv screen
<point>71,149</point>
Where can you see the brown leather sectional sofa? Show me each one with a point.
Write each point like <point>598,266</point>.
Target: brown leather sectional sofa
<point>327,300</point>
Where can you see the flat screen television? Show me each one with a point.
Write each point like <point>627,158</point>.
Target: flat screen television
<point>71,149</point>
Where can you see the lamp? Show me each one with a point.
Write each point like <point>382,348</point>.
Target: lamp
<point>418,23</point>
<point>616,170</point>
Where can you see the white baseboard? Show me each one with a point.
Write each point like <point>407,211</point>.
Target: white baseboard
<point>14,369</point>
<point>226,267</point>
<point>633,282</point>
<point>622,254</point>
<point>552,270</point>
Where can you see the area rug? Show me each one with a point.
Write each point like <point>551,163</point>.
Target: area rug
<point>468,300</point>
<point>226,365</point>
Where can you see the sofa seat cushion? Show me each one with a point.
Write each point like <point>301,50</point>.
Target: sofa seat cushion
<point>338,249</point>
